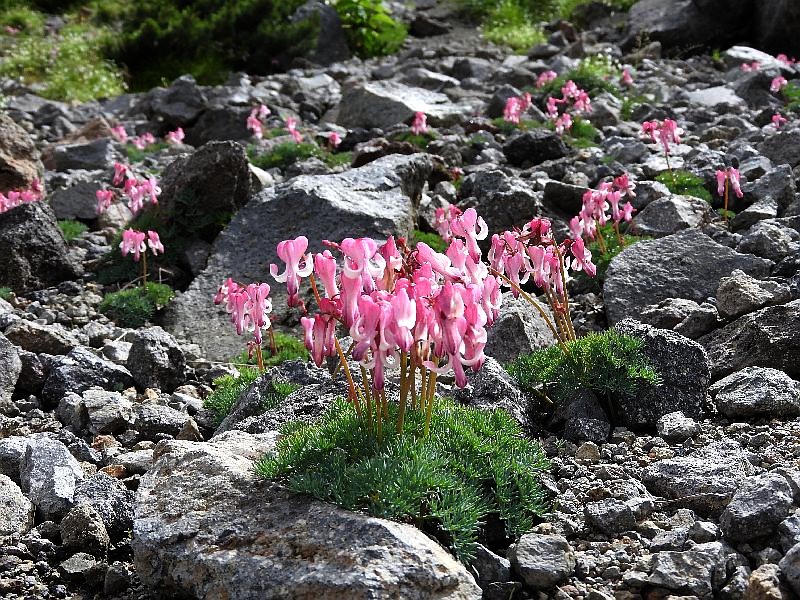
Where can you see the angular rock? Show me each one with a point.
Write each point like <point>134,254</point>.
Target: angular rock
<point>502,201</point>
<point>672,214</point>
<point>48,339</point>
<point>49,474</point>
<point>676,427</point>
<point>77,200</point>
<point>757,392</point>
<point>19,158</point>
<point>376,200</point>
<point>534,147</point>
<point>285,545</point>
<point>770,239</point>
<point>492,387</point>
<point>34,252</point>
<point>686,317</point>
<point>705,481</point>
<point>80,370</point>
<point>518,329</point>
<point>610,516</point>
<point>542,560</point>
<point>382,104</point>
<point>782,148</point>
<point>697,572</point>
<point>687,265</point>
<point>684,369</point>
<point>790,568</point>
<point>156,360</point>
<point>153,420</point>
<point>12,451</point>
<point>769,337</point>
<point>16,511</point>
<point>82,529</point>
<point>87,156</point>
<point>219,123</point>
<point>757,508</point>
<point>331,44</point>
<point>12,366</point>
<point>178,105</point>
<point>583,418</point>
<point>740,294</point>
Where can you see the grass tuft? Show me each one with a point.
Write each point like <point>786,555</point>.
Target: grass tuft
<point>136,306</point>
<point>71,229</point>
<point>287,153</point>
<point>228,388</point>
<point>685,183</point>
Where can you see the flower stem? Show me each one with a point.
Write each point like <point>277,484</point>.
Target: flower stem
<point>144,269</point>
<point>401,412</point>
<point>259,358</point>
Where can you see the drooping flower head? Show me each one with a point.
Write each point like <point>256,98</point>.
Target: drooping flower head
<point>104,199</point>
<point>778,120</point>
<point>176,137</point>
<point>120,134</point>
<point>334,139</point>
<point>291,126</point>
<point>293,253</point>
<point>133,242</point>
<point>545,78</point>
<point>778,84</point>
<point>154,243</point>
<point>420,124</point>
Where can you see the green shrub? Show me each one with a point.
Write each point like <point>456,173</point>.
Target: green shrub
<point>685,184</point>
<point>5,293</point>
<point>420,141</point>
<point>227,390</point>
<point>71,229</point>
<point>288,347</point>
<point>434,240</point>
<point>473,464</point>
<point>567,8</point>
<point>287,153</point>
<point>792,94</point>
<point>608,363</point>
<point>136,156</point>
<point>135,306</point>
<point>510,25</point>
<point>370,29</point>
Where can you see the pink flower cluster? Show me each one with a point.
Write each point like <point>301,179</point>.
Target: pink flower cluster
<point>778,120</point>
<point>255,121</point>
<point>596,204</point>
<point>515,107</point>
<point>572,98</point>
<point>334,139</point>
<point>120,134</point>
<point>14,198</point>
<point>545,78</point>
<point>667,132</point>
<point>786,60</point>
<point>133,242</point>
<point>626,79</point>
<point>143,141</point>
<point>729,175</point>
<point>749,67</point>
<point>291,126</point>
<point>175,137</point>
<point>393,300</point>
<point>778,84</point>
<point>137,190</point>
<point>420,124</point>
<point>248,306</point>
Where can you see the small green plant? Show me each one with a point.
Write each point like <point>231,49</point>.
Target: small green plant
<point>370,29</point>
<point>287,153</point>
<point>5,293</point>
<point>136,156</point>
<point>419,140</point>
<point>510,25</point>
<point>685,184</point>
<point>136,306</point>
<point>594,74</point>
<point>227,390</point>
<point>434,240</point>
<point>582,134</point>
<point>567,8</point>
<point>71,229</point>
<point>287,348</point>
<point>473,464</point>
<point>603,254</point>
<point>792,94</point>
<point>609,363</point>
<point>630,102</point>
<point>508,127</point>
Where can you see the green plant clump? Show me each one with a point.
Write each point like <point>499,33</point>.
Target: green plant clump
<point>288,348</point>
<point>792,94</point>
<point>612,246</point>
<point>228,388</point>
<point>287,153</point>
<point>594,74</point>
<point>369,28</point>
<point>508,127</point>
<point>136,306</point>
<point>509,24</point>
<point>609,363</point>
<point>474,464</point>
<point>71,229</point>
<point>5,293</point>
<point>685,184</point>
<point>434,240</point>
<point>136,156</point>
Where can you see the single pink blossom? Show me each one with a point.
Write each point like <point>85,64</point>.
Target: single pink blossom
<point>154,243</point>
<point>104,199</point>
<point>334,139</point>
<point>291,126</point>
<point>420,124</point>
<point>121,173</point>
<point>563,123</point>
<point>626,78</point>
<point>133,242</point>
<point>298,265</point>
<point>119,133</point>
<point>778,84</point>
<point>176,137</point>
<point>254,126</point>
<point>778,120</point>
<point>512,110</point>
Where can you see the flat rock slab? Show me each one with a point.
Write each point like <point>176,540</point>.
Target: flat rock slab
<point>688,265</point>
<point>376,200</point>
<point>207,527</point>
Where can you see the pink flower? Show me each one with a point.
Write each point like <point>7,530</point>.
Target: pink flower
<point>334,139</point>
<point>778,120</point>
<point>778,84</point>
<point>104,199</point>
<point>748,67</point>
<point>292,252</point>
<point>669,133</point>
<point>325,268</point>
<point>512,110</point>
<point>552,106</point>
<point>721,177</point>
<point>11,30</point>
<point>262,112</point>
<point>135,193</point>
<point>627,212</point>
<point>563,123</point>
<point>624,184</point>
<point>154,243</point>
<point>119,133</point>
<point>176,137</point>
<point>650,129</point>
<point>785,59</point>
<point>291,126</point>
<point>319,336</point>
<point>258,305</point>
<point>626,78</point>
<point>472,228</point>
<point>582,102</point>
<point>526,101</point>
<point>150,187</point>
<point>545,78</point>
<point>133,242</point>
<point>121,172</point>
<point>735,178</point>
<point>583,258</point>
<point>420,124</point>
<point>225,290</point>
<point>254,126</point>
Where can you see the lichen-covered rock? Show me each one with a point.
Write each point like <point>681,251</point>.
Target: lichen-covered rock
<point>542,560</point>
<point>757,392</point>
<point>156,360</point>
<point>19,158</point>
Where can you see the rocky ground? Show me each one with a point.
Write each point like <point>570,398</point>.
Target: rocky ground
<point>114,482</point>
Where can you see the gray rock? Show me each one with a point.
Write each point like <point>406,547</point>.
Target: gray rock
<point>628,150</point>
<point>88,156</point>
<point>676,427</point>
<point>740,294</point>
<point>178,105</point>
<point>789,532</point>
<point>776,23</point>
<point>12,366</point>
<point>715,96</point>
<point>82,529</point>
<point>684,369</point>
<point>564,197</point>
<point>687,265</point>
<point>19,158</point>
<point>77,200</point>
<point>96,412</point>
<point>136,462</point>
<point>153,420</point>
<point>610,516</point>
<point>79,568</point>
<point>34,251</point>
<point>768,196</point>
<point>757,392</point>
<point>705,481</point>
<point>156,360</point>
<point>503,202</point>
<point>16,511</point>
<point>490,566</point>
<point>686,317</point>
<point>542,560</point>
<point>782,148</point>
<point>492,387</point>
<point>672,214</point>
<point>497,103</point>
<point>518,329</point>
<point>286,545</point>
<point>754,89</point>
<point>698,571</point>
<point>382,104</point>
<point>48,339</point>
<point>770,239</point>
<point>80,370</point>
<point>583,418</point>
<point>219,123</point>
<point>790,568</point>
<point>376,200</point>
<point>12,451</point>
<point>111,499</point>
<point>49,474</point>
<point>735,56</point>
<point>757,508</point>
<point>768,337</point>
<point>331,44</point>
<point>534,147</point>
<point>119,577</point>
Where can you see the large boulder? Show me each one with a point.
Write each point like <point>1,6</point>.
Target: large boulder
<point>34,253</point>
<point>156,360</point>
<point>672,214</point>
<point>378,200</point>
<point>331,44</point>
<point>534,147</point>
<point>769,337</point>
<point>688,264</point>
<point>504,202</point>
<point>542,560</point>
<point>757,392</point>
<point>757,508</point>
<point>382,104</point>
<point>178,105</point>
<point>16,511</point>
<point>89,156</point>
<point>80,370</point>
<point>206,527</point>
<point>19,158</point>
<point>776,25</point>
